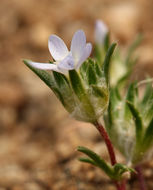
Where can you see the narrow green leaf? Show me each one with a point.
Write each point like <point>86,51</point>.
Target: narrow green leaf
<point>99,162</point>
<point>114,98</point>
<point>107,41</point>
<point>98,54</point>
<point>106,65</point>
<point>119,169</point>
<point>87,160</point>
<point>81,93</point>
<point>137,120</point>
<point>112,111</point>
<point>148,137</point>
<point>147,94</point>
<point>109,118</point>
<point>130,96</point>
<point>148,111</point>
<point>117,93</point>
<point>131,92</point>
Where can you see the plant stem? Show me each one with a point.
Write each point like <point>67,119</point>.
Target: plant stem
<point>107,140</point>
<point>140,178</point>
<point>103,133</point>
<point>120,186</point>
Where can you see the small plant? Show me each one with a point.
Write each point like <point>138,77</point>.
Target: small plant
<point>92,89</point>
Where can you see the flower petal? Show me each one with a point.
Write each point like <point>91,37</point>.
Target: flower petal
<point>44,66</point>
<point>85,54</point>
<point>78,44</point>
<point>57,48</point>
<point>100,32</point>
<point>67,63</point>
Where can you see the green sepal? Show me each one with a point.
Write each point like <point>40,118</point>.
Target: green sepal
<point>90,71</point>
<point>98,69</point>
<point>99,162</point>
<point>81,94</point>
<point>60,79</point>
<point>65,90</point>
<point>99,92</point>
<point>91,75</point>
<point>138,122</point>
<point>77,84</point>
<point>83,69</point>
<point>106,65</point>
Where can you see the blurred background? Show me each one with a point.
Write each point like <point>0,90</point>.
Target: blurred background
<point>38,139</point>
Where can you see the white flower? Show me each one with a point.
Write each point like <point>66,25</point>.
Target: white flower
<point>64,59</point>
<point>101,31</point>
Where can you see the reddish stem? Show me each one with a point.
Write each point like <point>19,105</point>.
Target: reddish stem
<point>111,152</point>
<point>140,178</point>
<point>121,186</point>
<point>109,145</point>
